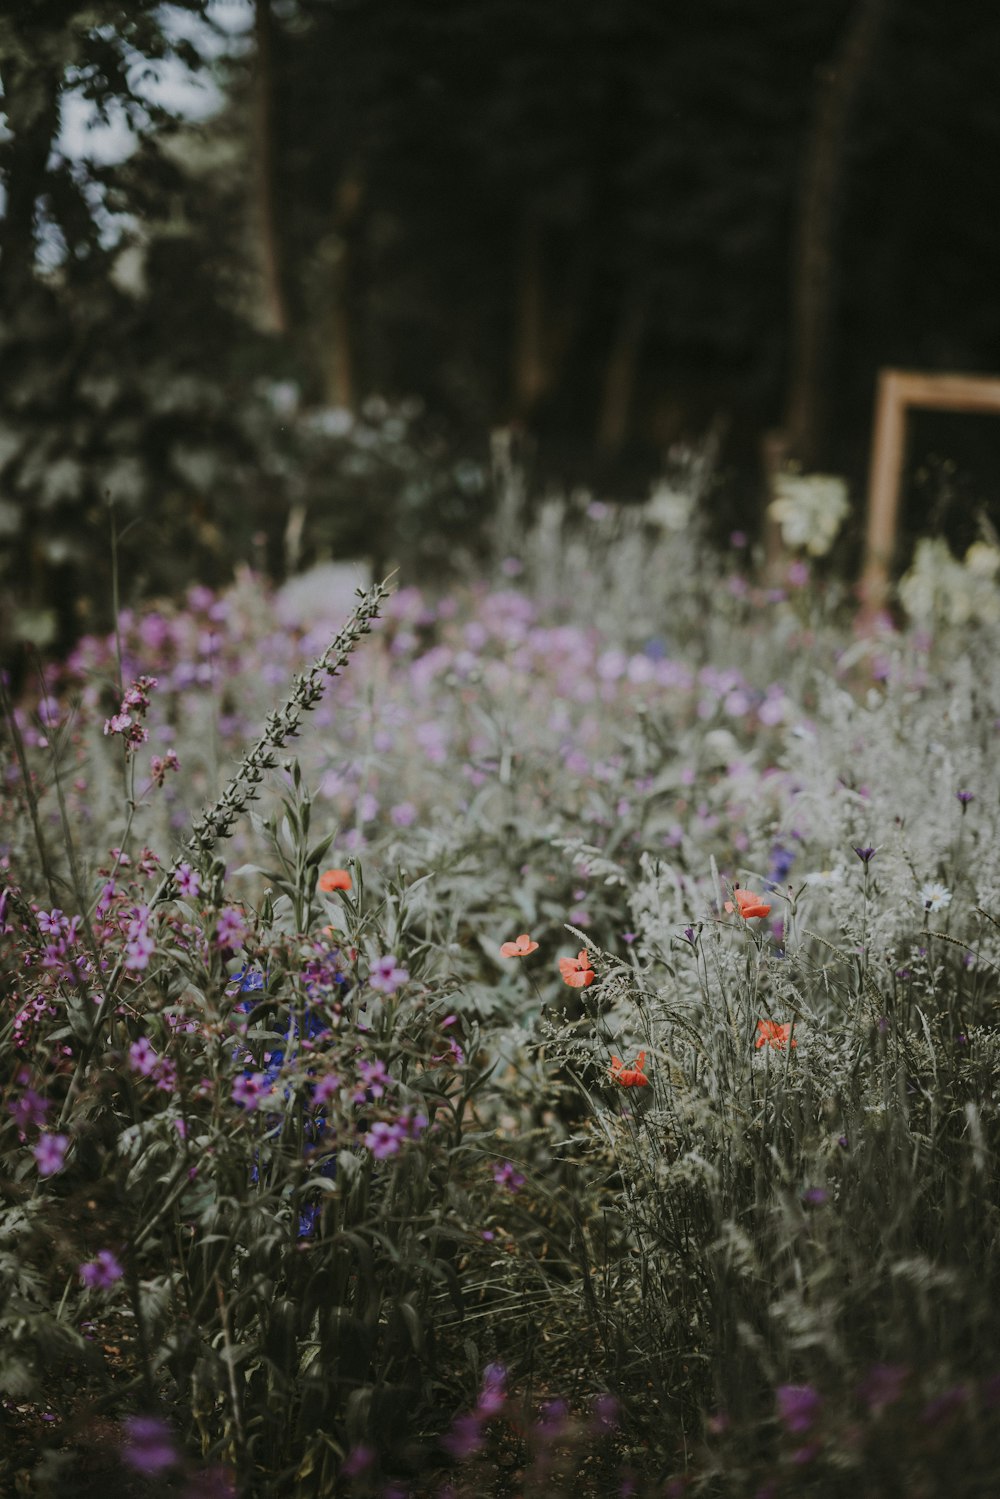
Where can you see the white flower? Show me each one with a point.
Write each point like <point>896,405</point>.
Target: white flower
<point>934,896</point>
<point>810,509</point>
<point>669,508</point>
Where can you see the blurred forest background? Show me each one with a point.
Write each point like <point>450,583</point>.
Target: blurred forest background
<point>272,273</point>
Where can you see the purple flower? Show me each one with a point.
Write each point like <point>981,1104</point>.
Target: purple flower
<point>325,1089</point>
<point>865,854</point>
<point>493,1393</point>
<point>249,1088</point>
<point>386,976</point>
<point>138,951</point>
<point>141,1057</point>
<point>30,1108</point>
<point>358,1460</point>
<point>149,1447</point>
<point>374,1080</point>
<point>782,859</point>
<point>49,1153</point>
<point>231,930</point>
<point>188,882</point>
<point>505,1175</point>
<point>100,1274</point>
<point>798,1407</point>
<point>965,797</point>
<point>814,1197</point>
<point>384,1140</point>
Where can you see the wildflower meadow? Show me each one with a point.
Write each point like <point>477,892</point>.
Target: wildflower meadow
<point>531,1037</point>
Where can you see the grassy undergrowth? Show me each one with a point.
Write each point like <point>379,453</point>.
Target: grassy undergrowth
<point>691,1190</point>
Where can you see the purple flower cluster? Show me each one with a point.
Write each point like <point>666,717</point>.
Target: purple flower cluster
<point>145,1060</point>
<point>59,956</point>
<point>139,944</point>
<point>231,929</point>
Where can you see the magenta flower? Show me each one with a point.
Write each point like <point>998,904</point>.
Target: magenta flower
<point>101,1273</point>
<point>49,1153</point>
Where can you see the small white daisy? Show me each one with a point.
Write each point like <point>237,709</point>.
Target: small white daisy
<point>934,896</point>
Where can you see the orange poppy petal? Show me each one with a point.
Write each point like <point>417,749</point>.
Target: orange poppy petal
<point>335,879</point>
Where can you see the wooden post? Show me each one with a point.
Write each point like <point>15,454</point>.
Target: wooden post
<point>897,391</point>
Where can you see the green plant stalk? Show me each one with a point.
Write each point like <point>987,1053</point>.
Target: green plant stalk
<point>219,820</point>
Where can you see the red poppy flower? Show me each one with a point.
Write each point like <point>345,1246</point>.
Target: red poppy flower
<point>335,879</point>
<point>577,971</point>
<point>748,904</point>
<point>770,1033</point>
<point>520,948</point>
<point>630,1077</point>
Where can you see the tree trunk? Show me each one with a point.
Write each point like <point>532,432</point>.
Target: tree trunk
<point>619,378</point>
<point>341,376</point>
<point>814,263</point>
<point>275,301</point>
<point>530,371</point>
<point>31,104</point>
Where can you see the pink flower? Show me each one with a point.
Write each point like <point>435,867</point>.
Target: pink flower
<point>141,1057</point>
<point>386,976</point>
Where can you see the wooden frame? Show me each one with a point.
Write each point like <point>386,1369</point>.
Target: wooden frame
<point>898,390</point>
